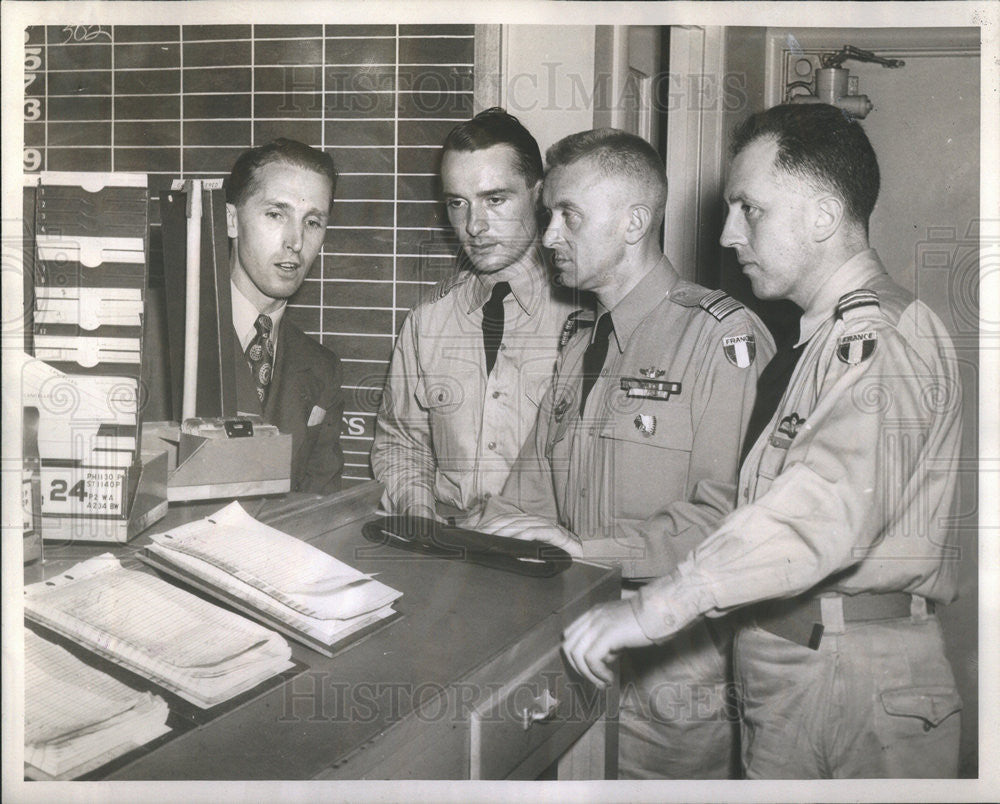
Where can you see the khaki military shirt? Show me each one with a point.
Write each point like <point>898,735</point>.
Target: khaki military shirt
<point>446,431</point>
<point>850,484</point>
<point>651,466</point>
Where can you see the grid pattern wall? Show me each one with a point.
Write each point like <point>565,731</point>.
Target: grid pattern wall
<point>184,101</point>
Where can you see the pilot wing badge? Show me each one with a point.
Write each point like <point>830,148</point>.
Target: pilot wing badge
<point>740,349</point>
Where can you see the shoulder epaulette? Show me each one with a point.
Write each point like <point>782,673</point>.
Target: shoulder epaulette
<point>719,304</point>
<point>855,299</point>
<point>716,303</point>
<point>447,285</point>
<point>577,320</point>
<point>687,294</point>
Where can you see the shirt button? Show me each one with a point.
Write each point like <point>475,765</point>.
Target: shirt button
<point>669,620</point>
<point>583,492</point>
<point>503,347</point>
<point>496,394</point>
<point>491,445</point>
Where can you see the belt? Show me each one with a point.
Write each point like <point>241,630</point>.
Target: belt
<point>805,619</point>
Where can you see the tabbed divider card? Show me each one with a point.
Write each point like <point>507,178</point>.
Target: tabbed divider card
<point>90,267</point>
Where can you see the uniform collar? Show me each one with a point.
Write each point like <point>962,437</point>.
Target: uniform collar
<point>640,301</point>
<point>245,314</point>
<point>852,275</point>
<point>528,287</point>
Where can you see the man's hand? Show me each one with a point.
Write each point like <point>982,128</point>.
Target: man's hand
<point>593,640</point>
<point>533,529</point>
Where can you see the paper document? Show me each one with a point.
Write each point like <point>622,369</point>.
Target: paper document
<point>77,717</point>
<point>203,653</point>
<point>274,574</point>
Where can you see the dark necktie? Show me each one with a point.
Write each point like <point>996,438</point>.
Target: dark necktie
<point>260,356</point>
<point>593,358</point>
<point>771,385</point>
<point>493,323</point>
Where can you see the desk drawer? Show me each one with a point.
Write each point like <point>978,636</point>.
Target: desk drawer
<point>528,723</point>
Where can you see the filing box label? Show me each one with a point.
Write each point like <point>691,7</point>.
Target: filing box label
<point>85,490</point>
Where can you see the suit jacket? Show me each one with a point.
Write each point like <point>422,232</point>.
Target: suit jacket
<point>305,387</point>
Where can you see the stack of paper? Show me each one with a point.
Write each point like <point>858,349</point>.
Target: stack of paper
<point>274,577</point>
<point>201,652</point>
<point>77,718</point>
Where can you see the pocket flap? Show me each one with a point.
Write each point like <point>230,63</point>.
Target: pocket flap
<point>930,704</point>
<point>438,392</point>
<point>665,425</point>
<point>772,460</point>
<point>535,391</point>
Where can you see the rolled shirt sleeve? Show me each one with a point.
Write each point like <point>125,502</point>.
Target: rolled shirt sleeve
<point>402,452</point>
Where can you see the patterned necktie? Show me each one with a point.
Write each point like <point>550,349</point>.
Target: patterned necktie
<point>771,386</point>
<point>493,323</point>
<point>593,358</point>
<point>260,356</point>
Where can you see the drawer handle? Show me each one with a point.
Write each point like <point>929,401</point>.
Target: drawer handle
<point>542,708</point>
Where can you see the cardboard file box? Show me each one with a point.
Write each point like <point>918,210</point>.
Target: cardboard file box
<point>221,468</point>
<point>103,504</point>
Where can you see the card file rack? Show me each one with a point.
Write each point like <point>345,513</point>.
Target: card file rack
<point>89,272</point>
<point>209,467</point>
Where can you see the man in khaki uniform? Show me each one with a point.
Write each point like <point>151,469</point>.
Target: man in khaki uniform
<point>668,375</point>
<point>840,550</point>
<point>472,362</point>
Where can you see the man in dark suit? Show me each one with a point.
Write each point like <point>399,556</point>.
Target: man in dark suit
<point>279,197</point>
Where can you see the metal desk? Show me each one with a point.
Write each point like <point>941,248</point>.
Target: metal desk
<point>467,683</point>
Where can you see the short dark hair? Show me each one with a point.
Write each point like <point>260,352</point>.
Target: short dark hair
<point>822,144</point>
<point>617,153</point>
<point>496,127</point>
<point>243,178</point>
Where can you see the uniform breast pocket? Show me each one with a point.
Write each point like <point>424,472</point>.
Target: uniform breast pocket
<point>648,454</point>
<point>439,396</point>
<point>772,461</point>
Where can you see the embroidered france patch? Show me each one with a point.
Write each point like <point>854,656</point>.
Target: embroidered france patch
<point>740,350</point>
<point>856,348</point>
